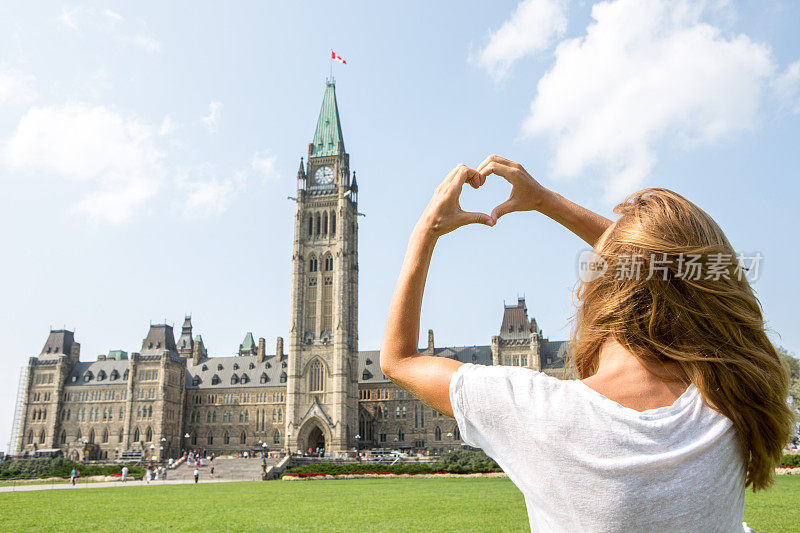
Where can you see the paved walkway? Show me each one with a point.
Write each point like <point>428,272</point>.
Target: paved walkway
<point>24,487</point>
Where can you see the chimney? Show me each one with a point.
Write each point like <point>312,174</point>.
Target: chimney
<point>430,342</point>
<point>279,347</point>
<point>262,350</point>
<point>101,357</point>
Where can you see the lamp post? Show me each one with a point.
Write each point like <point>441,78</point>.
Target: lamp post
<point>358,445</point>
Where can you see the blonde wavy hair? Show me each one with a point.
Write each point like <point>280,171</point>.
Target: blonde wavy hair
<point>712,328</point>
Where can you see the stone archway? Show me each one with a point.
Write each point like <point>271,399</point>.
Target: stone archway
<point>316,439</point>
<point>313,436</point>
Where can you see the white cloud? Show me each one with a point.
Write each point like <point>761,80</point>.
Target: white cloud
<point>532,28</point>
<point>110,24</point>
<point>787,87</point>
<point>264,163</point>
<point>646,71</point>
<point>214,195</point>
<point>212,119</point>
<point>16,87</point>
<point>168,125</point>
<point>114,158</point>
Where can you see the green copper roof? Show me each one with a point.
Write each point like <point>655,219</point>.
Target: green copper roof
<point>249,343</point>
<point>329,129</point>
<point>118,355</point>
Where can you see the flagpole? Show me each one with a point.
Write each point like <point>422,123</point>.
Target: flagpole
<point>331,63</point>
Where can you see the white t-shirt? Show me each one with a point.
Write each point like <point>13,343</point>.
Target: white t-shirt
<point>586,463</point>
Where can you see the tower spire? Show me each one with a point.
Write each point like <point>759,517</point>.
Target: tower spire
<point>328,139</point>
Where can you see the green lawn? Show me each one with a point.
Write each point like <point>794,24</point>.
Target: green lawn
<point>465,504</point>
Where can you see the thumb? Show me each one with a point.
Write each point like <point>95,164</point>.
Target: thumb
<point>477,218</point>
<point>503,209</point>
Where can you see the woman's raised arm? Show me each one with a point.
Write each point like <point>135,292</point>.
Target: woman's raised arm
<point>427,378</point>
<point>528,195</point>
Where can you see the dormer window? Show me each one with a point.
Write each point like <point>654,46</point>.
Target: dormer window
<point>74,379</point>
<point>219,367</point>
<point>88,376</point>
<point>125,375</point>
<point>252,366</point>
<point>49,349</point>
<point>236,366</point>
<point>56,349</point>
<point>101,375</point>
<point>150,345</point>
<point>205,367</point>
<point>195,381</point>
<point>366,375</point>
<point>283,377</point>
<point>369,361</point>
<point>283,364</point>
<point>234,379</point>
<point>244,379</point>
<point>158,345</point>
<point>264,378</point>
<point>215,380</point>
<point>268,365</point>
<point>114,375</point>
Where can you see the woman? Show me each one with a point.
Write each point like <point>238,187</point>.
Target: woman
<point>681,401</point>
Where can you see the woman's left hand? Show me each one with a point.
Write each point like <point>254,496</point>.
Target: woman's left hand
<point>444,213</point>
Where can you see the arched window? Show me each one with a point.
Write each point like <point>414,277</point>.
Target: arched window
<point>194,439</point>
<point>105,435</point>
<point>333,223</point>
<point>243,438</point>
<point>456,433</point>
<point>91,437</point>
<point>280,414</point>
<point>276,437</point>
<point>136,435</point>
<point>283,377</point>
<point>310,225</point>
<point>30,437</point>
<point>400,435</point>
<point>120,435</point>
<point>148,435</point>
<point>247,416</point>
<point>213,416</point>
<point>208,417</point>
<point>317,223</point>
<point>63,438</point>
<point>226,438</point>
<point>150,412</point>
<point>325,223</point>
<point>437,433</point>
<point>264,378</point>
<point>210,438</point>
<point>316,376</point>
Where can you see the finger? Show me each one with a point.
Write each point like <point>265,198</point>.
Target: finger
<point>476,218</point>
<point>477,181</point>
<point>506,172</point>
<point>464,174</point>
<point>494,158</point>
<point>509,206</point>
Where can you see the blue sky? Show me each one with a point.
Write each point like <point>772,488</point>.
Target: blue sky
<point>147,150</point>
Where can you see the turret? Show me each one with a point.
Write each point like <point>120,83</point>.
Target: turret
<point>185,342</point>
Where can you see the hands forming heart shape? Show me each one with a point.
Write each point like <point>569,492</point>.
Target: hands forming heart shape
<point>444,213</point>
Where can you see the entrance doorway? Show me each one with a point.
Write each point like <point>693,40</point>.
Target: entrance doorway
<point>316,439</point>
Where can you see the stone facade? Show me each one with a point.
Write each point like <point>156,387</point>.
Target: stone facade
<point>321,393</point>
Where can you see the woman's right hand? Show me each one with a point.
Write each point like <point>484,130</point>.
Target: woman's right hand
<point>526,193</point>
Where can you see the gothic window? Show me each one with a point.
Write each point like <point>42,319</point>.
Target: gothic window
<point>456,433</point>
<point>148,435</point>
<point>333,223</point>
<point>30,437</point>
<point>316,376</point>
<point>400,435</point>
<point>397,412</point>
<point>136,435</point>
<point>327,302</point>
<point>41,437</point>
<point>194,439</point>
<point>325,223</point>
<point>226,438</point>
<point>208,417</point>
<point>437,433</point>
<point>243,438</point>
<point>317,224</point>
<point>150,412</point>
<point>63,438</point>
<point>276,437</point>
<point>210,438</point>
<point>105,435</point>
<point>310,225</point>
<point>119,437</point>
<point>274,415</point>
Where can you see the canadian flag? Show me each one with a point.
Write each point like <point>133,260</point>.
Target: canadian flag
<point>337,58</point>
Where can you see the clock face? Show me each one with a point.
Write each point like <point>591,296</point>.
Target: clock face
<point>323,175</point>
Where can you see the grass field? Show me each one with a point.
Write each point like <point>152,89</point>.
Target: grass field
<point>465,504</point>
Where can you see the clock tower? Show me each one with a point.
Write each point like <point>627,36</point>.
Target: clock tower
<point>322,366</point>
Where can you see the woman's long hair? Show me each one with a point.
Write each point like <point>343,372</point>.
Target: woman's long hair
<point>706,319</point>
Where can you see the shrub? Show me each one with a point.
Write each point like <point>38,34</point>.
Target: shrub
<point>790,460</point>
<point>57,467</point>
<point>467,462</point>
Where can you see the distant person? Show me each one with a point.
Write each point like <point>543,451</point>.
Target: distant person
<point>212,470</point>
<point>148,475</point>
<point>73,475</point>
<point>196,475</point>
<point>124,473</point>
<point>170,462</point>
<point>681,401</point>
<point>163,473</point>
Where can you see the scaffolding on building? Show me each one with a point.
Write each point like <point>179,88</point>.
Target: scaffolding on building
<point>15,443</point>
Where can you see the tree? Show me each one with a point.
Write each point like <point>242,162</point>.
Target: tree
<point>793,365</point>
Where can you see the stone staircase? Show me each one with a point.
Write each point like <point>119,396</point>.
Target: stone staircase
<point>225,469</point>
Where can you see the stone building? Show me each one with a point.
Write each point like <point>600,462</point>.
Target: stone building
<point>319,392</point>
